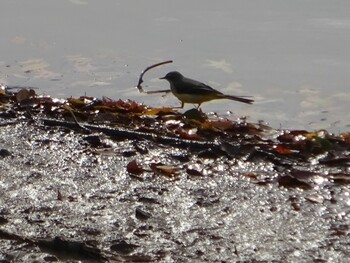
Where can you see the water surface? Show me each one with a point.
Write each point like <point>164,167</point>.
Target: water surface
<point>291,56</point>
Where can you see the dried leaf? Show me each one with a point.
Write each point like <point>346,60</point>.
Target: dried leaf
<point>164,169</point>
<point>24,94</point>
<point>128,106</point>
<point>345,137</point>
<point>282,150</point>
<point>188,135</point>
<point>310,135</point>
<point>158,111</point>
<point>75,103</point>
<point>221,125</point>
<point>323,143</point>
<point>134,168</point>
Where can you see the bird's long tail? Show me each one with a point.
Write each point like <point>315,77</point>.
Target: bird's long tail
<point>236,98</point>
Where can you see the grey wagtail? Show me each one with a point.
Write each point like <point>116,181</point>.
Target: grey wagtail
<point>192,91</point>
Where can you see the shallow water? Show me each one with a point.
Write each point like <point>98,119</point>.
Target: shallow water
<point>292,57</point>
<point>55,183</point>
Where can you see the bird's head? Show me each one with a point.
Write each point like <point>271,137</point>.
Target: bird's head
<point>173,76</point>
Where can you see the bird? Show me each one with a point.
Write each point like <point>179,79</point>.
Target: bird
<point>192,91</point>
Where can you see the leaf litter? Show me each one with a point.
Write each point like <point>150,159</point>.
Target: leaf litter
<point>196,146</point>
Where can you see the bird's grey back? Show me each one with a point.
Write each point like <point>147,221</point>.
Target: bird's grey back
<point>185,84</point>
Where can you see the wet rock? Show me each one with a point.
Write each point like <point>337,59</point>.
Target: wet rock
<point>68,250</point>
<point>93,140</point>
<point>142,215</point>
<point>123,247</point>
<point>5,153</point>
<point>3,220</point>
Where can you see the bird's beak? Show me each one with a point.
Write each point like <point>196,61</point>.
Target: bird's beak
<point>162,78</point>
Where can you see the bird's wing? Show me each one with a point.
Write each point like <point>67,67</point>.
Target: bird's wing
<point>193,86</point>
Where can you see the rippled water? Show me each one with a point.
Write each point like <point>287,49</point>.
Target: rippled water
<point>291,56</point>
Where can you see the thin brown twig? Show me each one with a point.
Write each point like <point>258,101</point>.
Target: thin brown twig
<point>147,69</point>
<point>158,91</point>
